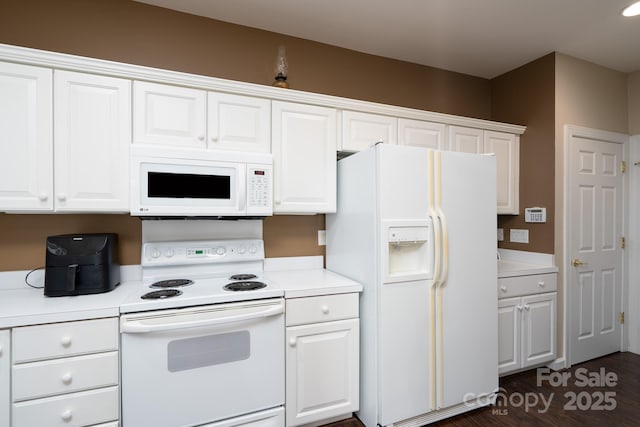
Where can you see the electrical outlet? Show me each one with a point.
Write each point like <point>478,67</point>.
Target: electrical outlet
<point>518,236</point>
<point>322,238</point>
<point>500,234</point>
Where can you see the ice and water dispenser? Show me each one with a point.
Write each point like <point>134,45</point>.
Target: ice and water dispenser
<point>409,251</point>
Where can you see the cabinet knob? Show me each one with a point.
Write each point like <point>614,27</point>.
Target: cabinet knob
<point>66,378</point>
<point>526,307</point>
<point>325,309</point>
<point>292,341</point>
<point>43,197</point>
<point>200,137</point>
<point>541,284</point>
<point>65,341</point>
<point>214,139</point>
<point>66,415</point>
<point>519,307</point>
<point>503,288</point>
<point>62,197</point>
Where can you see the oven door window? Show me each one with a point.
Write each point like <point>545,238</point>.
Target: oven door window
<point>208,350</point>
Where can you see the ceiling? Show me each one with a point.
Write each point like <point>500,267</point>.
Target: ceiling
<point>484,38</point>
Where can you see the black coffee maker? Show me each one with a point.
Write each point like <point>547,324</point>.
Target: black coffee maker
<point>80,264</point>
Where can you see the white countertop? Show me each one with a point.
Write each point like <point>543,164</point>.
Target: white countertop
<point>22,305</point>
<point>521,263</point>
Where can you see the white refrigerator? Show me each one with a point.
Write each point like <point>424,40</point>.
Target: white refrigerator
<point>417,228</point>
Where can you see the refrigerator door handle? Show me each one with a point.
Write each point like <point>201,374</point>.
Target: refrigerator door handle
<point>444,249</point>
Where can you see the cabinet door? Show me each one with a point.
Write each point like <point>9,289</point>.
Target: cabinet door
<point>92,138</point>
<point>538,329</point>
<point>26,139</point>
<point>506,148</point>
<point>363,130</point>
<point>238,122</point>
<point>304,158</point>
<point>422,134</point>
<point>170,115</point>
<point>5,369</point>
<point>466,140</point>
<point>508,334</point>
<point>322,364</point>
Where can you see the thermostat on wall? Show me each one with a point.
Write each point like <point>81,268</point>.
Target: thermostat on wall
<point>535,215</point>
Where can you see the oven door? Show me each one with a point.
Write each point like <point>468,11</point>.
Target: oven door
<point>195,366</point>
<point>179,187</point>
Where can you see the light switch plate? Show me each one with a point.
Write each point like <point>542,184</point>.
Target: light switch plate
<point>500,234</point>
<point>518,236</point>
<point>322,238</point>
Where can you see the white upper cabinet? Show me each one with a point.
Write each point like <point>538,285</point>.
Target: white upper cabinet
<point>26,140</point>
<point>363,130</point>
<point>91,139</point>
<point>419,133</point>
<point>506,148</point>
<point>238,122</point>
<point>304,158</point>
<point>466,140</point>
<point>171,115</point>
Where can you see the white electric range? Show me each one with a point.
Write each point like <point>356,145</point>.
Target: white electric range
<point>204,325</point>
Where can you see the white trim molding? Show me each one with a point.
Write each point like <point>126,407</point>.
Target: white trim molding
<point>62,61</point>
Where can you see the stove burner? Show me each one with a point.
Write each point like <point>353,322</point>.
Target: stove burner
<point>243,277</point>
<point>244,286</point>
<point>173,283</point>
<point>162,294</point>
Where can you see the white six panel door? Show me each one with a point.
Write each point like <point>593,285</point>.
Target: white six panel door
<point>596,226</point>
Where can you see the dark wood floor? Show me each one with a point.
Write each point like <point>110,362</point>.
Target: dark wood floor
<point>589,398</point>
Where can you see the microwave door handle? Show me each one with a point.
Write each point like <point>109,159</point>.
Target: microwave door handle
<point>139,327</point>
<point>242,194</point>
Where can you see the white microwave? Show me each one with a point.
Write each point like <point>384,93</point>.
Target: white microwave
<point>176,182</point>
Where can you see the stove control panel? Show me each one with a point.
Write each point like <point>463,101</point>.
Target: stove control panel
<point>202,252</point>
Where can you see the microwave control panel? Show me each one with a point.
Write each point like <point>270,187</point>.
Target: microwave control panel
<point>259,186</point>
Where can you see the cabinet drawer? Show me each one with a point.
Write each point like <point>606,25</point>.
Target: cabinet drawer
<point>526,285</point>
<point>321,308</point>
<point>31,343</point>
<point>51,377</point>
<point>76,409</point>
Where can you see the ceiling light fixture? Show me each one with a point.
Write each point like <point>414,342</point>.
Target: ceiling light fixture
<point>632,10</point>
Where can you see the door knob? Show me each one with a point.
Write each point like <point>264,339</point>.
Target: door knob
<point>577,263</point>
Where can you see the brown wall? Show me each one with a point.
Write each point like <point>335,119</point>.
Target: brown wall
<point>126,31</point>
<point>526,96</point>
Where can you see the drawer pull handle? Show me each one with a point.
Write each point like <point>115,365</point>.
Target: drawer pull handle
<point>541,284</point>
<point>292,341</point>
<point>503,288</point>
<point>66,416</point>
<point>325,309</point>
<point>66,341</point>
<point>66,378</point>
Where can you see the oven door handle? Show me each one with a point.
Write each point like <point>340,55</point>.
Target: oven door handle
<point>141,327</point>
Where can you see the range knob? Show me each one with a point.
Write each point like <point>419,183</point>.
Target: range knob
<point>155,253</point>
<point>242,250</point>
<point>253,249</point>
<point>221,250</point>
<point>169,252</point>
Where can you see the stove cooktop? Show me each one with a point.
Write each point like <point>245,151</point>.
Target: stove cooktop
<point>187,273</point>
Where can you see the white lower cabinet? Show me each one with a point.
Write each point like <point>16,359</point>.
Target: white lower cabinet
<point>66,374</point>
<point>322,358</point>
<point>526,324</point>
<point>5,376</point>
